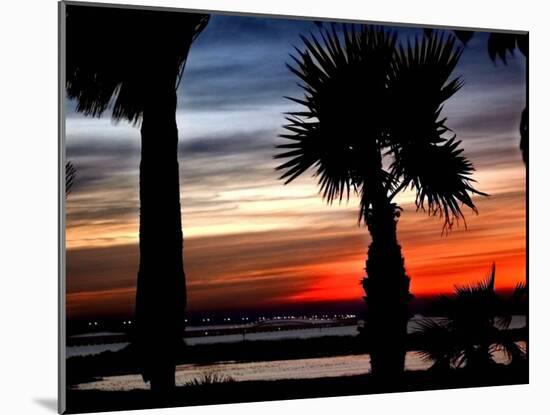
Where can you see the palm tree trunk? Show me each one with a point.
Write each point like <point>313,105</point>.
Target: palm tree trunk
<point>387,296</point>
<point>161,291</point>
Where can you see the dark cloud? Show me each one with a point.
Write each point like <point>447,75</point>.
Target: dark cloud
<point>248,142</point>
<point>88,146</point>
<point>502,118</point>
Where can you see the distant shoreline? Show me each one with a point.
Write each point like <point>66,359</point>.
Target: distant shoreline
<point>88,368</point>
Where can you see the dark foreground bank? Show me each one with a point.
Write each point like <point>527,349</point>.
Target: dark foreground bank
<point>235,392</point>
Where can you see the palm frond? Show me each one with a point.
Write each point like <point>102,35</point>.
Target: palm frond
<point>442,178</point>
<point>419,83</point>
<point>424,156</point>
<point>464,35</point>
<point>480,290</point>
<point>70,177</point>
<point>422,70</point>
<point>520,291</point>
<point>331,130</point>
<point>437,345</point>
<point>309,149</point>
<point>513,350</point>
<point>485,286</point>
<point>114,55</point>
<point>501,45</point>
<point>514,304</point>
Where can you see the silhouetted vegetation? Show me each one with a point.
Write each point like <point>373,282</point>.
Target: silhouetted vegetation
<point>370,124</point>
<point>70,177</point>
<point>210,379</point>
<point>249,391</point>
<point>131,61</point>
<point>474,326</point>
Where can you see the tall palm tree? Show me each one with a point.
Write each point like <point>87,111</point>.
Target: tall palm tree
<point>472,327</point>
<point>130,61</point>
<point>371,125</point>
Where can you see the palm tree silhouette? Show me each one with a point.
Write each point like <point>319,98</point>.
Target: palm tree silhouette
<point>472,327</point>
<point>131,61</point>
<point>371,125</point>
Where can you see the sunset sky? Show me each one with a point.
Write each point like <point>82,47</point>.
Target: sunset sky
<point>249,241</point>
